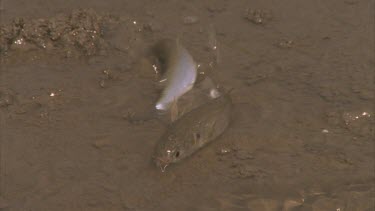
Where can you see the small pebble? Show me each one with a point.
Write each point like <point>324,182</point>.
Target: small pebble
<point>224,151</point>
<point>102,83</point>
<point>214,93</point>
<point>325,131</point>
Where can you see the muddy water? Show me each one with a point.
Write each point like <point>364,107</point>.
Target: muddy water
<point>72,81</point>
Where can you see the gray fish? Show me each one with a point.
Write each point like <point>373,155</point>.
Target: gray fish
<point>193,130</point>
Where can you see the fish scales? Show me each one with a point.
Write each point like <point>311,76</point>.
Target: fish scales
<point>193,130</point>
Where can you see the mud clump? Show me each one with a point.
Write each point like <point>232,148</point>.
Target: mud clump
<point>258,16</point>
<point>75,34</point>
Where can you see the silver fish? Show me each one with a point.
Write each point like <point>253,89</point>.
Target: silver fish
<point>193,130</point>
<point>180,70</point>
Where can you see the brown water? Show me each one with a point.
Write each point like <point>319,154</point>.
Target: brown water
<point>303,79</point>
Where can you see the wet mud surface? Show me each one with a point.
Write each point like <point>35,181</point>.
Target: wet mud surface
<point>76,93</point>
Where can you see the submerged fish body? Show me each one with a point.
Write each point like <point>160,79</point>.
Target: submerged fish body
<point>194,130</point>
<point>180,71</point>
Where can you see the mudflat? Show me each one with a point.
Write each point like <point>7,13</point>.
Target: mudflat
<point>73,79</point>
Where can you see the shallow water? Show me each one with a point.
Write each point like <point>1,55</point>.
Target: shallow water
<point>302,136</point>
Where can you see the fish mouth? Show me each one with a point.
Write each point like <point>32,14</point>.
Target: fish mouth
<point>162,163</point>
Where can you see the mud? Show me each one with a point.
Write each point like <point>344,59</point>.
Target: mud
<point>73,74</point>
<point>72,35</point>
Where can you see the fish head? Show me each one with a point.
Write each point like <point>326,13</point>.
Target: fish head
<point>166,157</point>
<point>168,152</point>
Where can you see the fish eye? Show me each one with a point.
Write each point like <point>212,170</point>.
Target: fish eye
<point>177,154</point>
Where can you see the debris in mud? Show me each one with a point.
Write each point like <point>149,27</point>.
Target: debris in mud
<point>152,26</point>
<point>327,204</point>
<point>107,75</point>
<point>252,80</point>
<point>102,83</point>
<point>132,118</point>
<point>102,143</point>
<point>359,122</point>
<point>41,106</point>
<point>25,106</point>
<point>74,34</point>
<point>247,171</point>
<point>6,98</point>
<point>258,16</point>
<point>284,43</point>
<point>44,115</point>
<point>216,8</point>
<point>244,155</point>
<point>188,20</point>
<point>224,151</point>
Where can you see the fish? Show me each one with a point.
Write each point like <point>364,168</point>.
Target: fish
<point>194,130</point>
<point>204,91</point>
<point>179,68</point>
